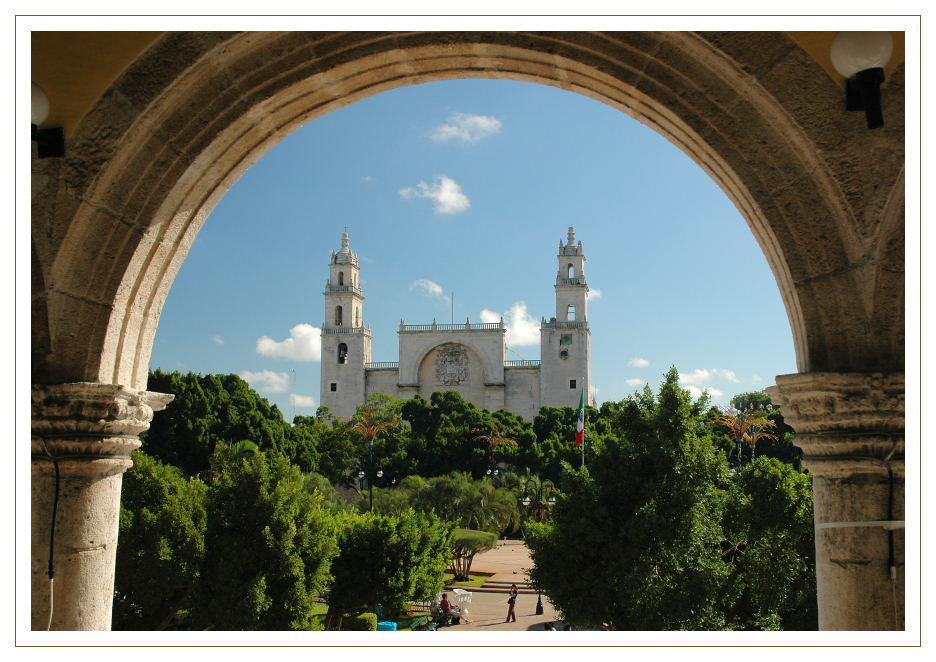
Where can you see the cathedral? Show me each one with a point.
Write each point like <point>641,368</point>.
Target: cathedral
<point>470,358</point>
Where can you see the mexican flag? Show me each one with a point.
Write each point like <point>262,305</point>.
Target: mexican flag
<point>580,426</point>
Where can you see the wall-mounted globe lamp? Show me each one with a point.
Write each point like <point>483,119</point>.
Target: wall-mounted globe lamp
<point>861,57</point>
<point>49,142</point>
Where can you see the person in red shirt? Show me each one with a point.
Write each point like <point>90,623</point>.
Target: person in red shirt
<point>446,609</point>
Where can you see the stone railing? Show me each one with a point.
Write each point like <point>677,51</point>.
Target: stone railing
<point>577,280</point>
<point>331,288</point>
<point>524,363</point>
<point>350,331</point>
<point>558,324</point>
<point>467,326</point>
<point>381,365</point>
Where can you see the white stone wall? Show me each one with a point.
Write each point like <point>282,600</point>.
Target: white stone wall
<point>522,391</point>
<point>383,380</point>
<point>556,371</point>
<point>348,377</point>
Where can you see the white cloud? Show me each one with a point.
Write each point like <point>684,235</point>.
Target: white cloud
<point>594,293</point>
<point>757,379</point>
<point>634,381</point>
<point>638,362</point>
<point>697,378</point>
<point>303,344</point>
<point>523,330</point>
<point>696,392</point>
<point>267,380</point>
<point>367,178</point>
<point>429,288</point>
<point>302,401</point>
<point>727,374</point>
<point>701,380</point>
<point>218,340</point>
<point>467,128</point>
<point>446,193</point>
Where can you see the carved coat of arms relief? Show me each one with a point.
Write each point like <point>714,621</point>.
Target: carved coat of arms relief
<point>451,364</point>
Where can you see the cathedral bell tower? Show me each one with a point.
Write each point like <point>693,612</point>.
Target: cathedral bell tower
<point>346,342</point>
<point>565,340</point>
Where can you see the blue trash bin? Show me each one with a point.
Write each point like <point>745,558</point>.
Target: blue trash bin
<point>386,625</point>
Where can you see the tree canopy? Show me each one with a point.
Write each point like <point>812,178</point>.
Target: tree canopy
<point>656,535</point>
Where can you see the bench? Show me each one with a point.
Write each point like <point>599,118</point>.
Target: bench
<point>422,623</point>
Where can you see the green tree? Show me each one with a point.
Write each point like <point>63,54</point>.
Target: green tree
<point>162,545</point>
<point>389,560</point>
<point>466,543</point>
<point>635,541</point>
<point>337,451</point>
<point>268,546</point>
<point>217,409</point>
<point>770,545</point>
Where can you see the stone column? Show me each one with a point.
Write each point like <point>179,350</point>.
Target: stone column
<point>88,431</point>
<point>851,429</point>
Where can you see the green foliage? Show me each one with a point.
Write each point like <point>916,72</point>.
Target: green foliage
<point>770,544</point>
<point>466,543</point>
<point>468,503</point>
<point>389,560</point>
<point>162,546</point>
<point>659,565</point>
<point>268,545</point>
<point>365,621</point>
<point>218,409</point>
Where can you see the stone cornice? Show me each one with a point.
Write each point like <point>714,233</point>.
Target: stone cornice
<point>90,419</point>
<point>844,414</point>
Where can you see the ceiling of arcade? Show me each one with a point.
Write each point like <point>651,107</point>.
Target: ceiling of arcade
<point>74,68</point>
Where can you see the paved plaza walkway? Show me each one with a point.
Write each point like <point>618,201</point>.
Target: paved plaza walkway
<point>488,609</point>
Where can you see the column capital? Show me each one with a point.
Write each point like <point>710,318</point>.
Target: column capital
<point>844,413</point>
<point>90,419</point>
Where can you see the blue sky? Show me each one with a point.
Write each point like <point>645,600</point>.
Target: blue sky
<point>466,187</point>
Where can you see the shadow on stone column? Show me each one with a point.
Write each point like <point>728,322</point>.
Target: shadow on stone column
<point>87,431</point>
<point>851,429</point>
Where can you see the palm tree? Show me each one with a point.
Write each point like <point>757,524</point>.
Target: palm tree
<point>365,424</point>
<point>239,450</point>
<point>747,425</point>
<point>494,437</point>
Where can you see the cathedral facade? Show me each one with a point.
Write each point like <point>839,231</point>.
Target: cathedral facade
<point>470,358</point>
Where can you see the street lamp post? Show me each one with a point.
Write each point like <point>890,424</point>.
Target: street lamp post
<point>538,503</point>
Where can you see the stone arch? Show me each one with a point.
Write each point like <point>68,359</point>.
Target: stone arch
<point>195,110</point>
<point>470,384</point>
<point>113,220</point>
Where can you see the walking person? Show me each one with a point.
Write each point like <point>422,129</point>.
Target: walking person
<point>511,604</point>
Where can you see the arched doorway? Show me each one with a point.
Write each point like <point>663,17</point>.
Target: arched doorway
<point>191,113</point>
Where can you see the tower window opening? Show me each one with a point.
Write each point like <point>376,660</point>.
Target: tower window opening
<point>570,312</point>
<point>357,317</point>
<point>342,354</point>
<point>341,278</point>
<point>571,383</point>
<point>571,271</point>
<point>564,354</point>
<point>334,387</point>
<point>338,315</point>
